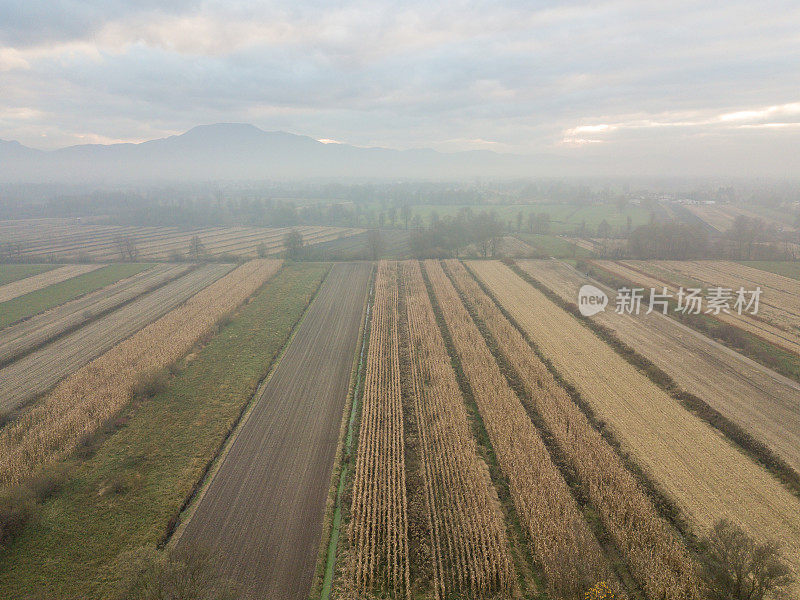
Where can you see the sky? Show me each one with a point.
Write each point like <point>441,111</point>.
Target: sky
<point>663,86</point>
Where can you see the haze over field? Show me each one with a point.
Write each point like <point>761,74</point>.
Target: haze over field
<point>610,88</point>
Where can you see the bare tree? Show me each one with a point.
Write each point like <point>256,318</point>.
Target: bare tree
<point>150,574</point>
<point>196,248</point>
<point>735,567</point>
<point>375,242</point>
<point>126,246</point>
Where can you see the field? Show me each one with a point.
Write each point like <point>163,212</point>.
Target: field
<point>643,538</point>
<point>28,335</point>
<point>704,475</point>
<point>67,240</point>
<point>721,216</point>
<point>32,303</point>
<point>93,394</point>
<point>34,374</point>
<point>26,285</point>
<point>155,455</point>
<point>262,513</point>
<point>10,273</point>
<point>787,269</point>
<point>760,401</point>
<point>485,443</point>
<point>779,306</point>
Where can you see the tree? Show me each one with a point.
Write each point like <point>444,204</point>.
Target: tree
<point>519,221</point>
<point>604,229</point>
<point>293,244</point>
<point>405,213</point>
<point>735,567</point>
<point>126,246</point>
<point>150,574</point>
<point>375,242</point>
<point>262,251</point>
<point>196,248</point>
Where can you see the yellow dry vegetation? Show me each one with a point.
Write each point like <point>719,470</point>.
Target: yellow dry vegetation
<point>562,542</point>
<point>470,551</point>
<point>85,400</point>
<point>658,560</point>
<point>379,562</point>
<point>694,465</point>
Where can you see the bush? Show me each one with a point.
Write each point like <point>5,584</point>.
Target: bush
<point>150,574</point>
<point>17,507</point>
<point>737,568</point>
<point>150,384</point>
<point>48,481</point>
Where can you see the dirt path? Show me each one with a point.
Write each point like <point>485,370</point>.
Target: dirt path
<point>262,513</point>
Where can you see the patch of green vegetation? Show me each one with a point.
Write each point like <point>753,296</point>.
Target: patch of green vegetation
<point>33,303</point>
<point>779,267</point>
<point>9,273</point>
<point>554,246</point>
<point>129,491</point>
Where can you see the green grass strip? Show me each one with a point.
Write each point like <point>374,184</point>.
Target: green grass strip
<point>125,495</point>
<point>9,273</point>
<point>33,303</point>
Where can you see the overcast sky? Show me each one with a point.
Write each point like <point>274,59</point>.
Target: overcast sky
<point>661,81</point>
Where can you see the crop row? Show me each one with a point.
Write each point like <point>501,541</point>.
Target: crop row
<point>657,559</point>
<point>92,395</point>
<point>563,544</point>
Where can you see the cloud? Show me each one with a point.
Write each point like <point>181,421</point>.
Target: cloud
<point>601,78</point>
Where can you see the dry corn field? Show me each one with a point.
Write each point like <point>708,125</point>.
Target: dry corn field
<point>701,472</point>
<point>95,393</point>
<point>562,542</point>
<point>379,561</point>
<point>772,324</point>
<point>658,560</point>
<point>36,282</point>
<point>471,557</point>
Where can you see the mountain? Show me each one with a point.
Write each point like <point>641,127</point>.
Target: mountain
<point>229,151</point>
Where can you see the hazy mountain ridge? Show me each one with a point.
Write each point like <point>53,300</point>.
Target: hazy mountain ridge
<point>240,151</point>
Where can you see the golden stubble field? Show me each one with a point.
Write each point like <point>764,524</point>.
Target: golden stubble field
<point>703,473</point>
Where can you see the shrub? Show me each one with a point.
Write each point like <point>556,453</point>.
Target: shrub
<point>17,507</point>
<point>735,567</point>
<point>48,481</point>
<point>150,574</point>
<point>150,384</point>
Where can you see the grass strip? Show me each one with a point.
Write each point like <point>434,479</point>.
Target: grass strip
<point>10,273</point>
<point>32,303</point>
<point>127,493</point>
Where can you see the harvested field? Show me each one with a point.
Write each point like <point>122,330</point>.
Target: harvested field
<point>32,333</point>
<point>657,560</point>
<point>70,241</point>
<point>96,392</point>
<point>704,474</point>
<point>774,325</point>
<point>379,560</point>
<point>12,272</point>
<point>759,400</point>
<point>34,374</point>
<point>471,554</point>
<point>562,542</point>
<point>262,512</point>
<point>714,216</point>
<point>24,286</point>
